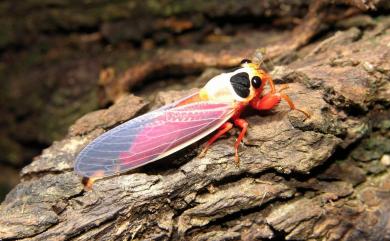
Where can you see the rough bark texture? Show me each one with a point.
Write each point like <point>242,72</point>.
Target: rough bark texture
<point>323,178</point>
<point>56,54</point>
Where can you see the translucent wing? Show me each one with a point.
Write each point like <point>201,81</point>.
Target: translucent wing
<point>150,137</point>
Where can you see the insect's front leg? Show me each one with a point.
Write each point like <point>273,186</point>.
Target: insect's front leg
<point>272,99</point>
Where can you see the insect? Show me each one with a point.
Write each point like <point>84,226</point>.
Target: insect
<point>152,136</point>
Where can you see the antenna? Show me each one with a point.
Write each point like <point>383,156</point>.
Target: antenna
<point>260,57</point>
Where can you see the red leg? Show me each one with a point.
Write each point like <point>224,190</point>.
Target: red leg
<point>266,102</point>
<point>271,100</point>
<point>244,125</point>
<point>291,104</point>
<point>222,130</point>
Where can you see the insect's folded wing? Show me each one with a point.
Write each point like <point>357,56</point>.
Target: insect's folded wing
<point>150,137</point>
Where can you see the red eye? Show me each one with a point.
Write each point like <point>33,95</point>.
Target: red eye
<point>256,82</point>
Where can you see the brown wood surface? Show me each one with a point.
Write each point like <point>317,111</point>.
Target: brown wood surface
<point>323,178</point>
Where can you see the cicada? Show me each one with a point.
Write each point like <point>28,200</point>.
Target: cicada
<point>215,108</point>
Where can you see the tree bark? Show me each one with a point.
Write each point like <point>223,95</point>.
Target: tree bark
<point>322,178</point>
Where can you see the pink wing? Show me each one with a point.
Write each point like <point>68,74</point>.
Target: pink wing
<point>150,137</point>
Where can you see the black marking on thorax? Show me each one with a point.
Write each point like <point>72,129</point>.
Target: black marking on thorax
<point>241,84</point>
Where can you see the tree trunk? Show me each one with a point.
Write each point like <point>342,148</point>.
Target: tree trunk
<point>322,178</point>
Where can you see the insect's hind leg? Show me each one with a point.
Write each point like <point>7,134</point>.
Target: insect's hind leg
<point>222,130</point>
